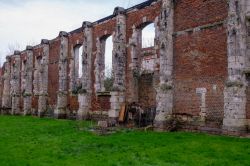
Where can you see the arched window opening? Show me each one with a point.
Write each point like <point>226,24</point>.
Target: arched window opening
<point>78,61</point>
<point>108,82</point>
<point>108,56</point>
<point>148,36</point>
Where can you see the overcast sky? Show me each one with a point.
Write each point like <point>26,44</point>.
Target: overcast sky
<point>26,22</point>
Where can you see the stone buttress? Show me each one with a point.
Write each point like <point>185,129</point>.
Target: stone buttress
<point>100,65</point>
<point>235,90</point>
<point>15,83</point>
<point>135,44</point>
<point>27,76</point>
<point>119,64</point>
<point>164,96</point>
<point>6,98</point>
<point>62,95</point>
<point>43,79</point>
<point>84,96</point>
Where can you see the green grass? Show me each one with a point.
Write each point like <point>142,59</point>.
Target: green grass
<point>33,141</point>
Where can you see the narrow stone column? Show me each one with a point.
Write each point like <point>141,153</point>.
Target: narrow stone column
<point>1,88</point>
<point>164,98</point>
<point>119,64</point>
<point>135,45</point>
<point>84,96</point>
<point>235,89</point>
<point>15,83</point>
<point>61,110</point>
<point>100,65</point>
<point>43,79</point>
<point>6,97</point>
<point>27,81</point>
<point>73,69</point>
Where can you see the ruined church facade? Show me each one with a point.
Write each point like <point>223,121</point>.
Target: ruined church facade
<point>197,74</point>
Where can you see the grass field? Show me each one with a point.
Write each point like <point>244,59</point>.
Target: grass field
<point>33,141</point>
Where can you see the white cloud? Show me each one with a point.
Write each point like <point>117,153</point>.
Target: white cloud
<point>28,21</point>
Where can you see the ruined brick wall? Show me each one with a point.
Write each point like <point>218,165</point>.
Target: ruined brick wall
<point>54,49</point>
<point>200,59</point>
<point>183,75</point>
<point>139,19</point>
<point>1,86</point>
<point>101,31</point>
<point>75,40</point>
<point>147,93</point>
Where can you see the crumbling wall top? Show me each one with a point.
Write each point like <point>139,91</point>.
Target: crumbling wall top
<point>44,41</point>
<point>119,10</point>
<point>63,34</point>
<point>16,52</point>
<point>29,48</point>
<point>86,24</point>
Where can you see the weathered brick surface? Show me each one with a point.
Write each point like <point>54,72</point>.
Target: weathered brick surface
<point>248,102</point>
<point>103,103</point>
<point>200,62</point>
<point>53,71</point>
<point>147,93</point>
<point>139,19</point>
<point>193,13</point>
<point>200,59</point>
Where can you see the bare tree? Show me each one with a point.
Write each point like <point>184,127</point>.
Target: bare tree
<point>17,46</point>
<point>12,47</point>
<point>2,57</point>
<point>147,42</point>
<point>109,78</point>
<point>32,43</point>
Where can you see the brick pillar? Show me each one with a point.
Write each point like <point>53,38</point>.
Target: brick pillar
<point>6,97</point>
<point>164,96</point>
<point>84,96</point>
<point>235,89</point>
<point>15,83</point>
<point>119,64</point>
<point>27,71</point>
<point>62,98</point>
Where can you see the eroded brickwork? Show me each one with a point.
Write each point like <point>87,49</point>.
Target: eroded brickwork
<point>27,68</point>
<point>196,74</point>
<point>6,98</point>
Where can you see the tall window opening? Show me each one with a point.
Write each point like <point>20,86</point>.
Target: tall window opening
<point>108,56</point>
<point>78,61</point>
<point>108,82</point>
<point>148,36</point>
